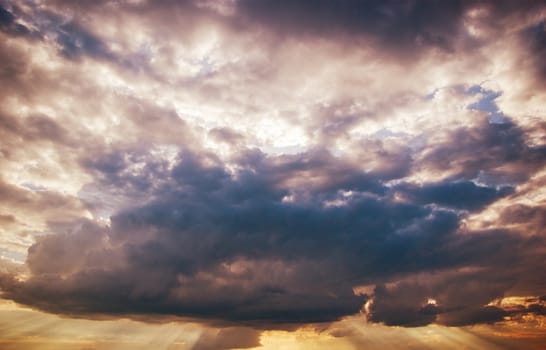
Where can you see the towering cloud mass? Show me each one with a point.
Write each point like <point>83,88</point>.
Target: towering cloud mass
<point>271,163</point>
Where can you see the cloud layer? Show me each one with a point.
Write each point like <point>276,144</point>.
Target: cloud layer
<point>273,163</point>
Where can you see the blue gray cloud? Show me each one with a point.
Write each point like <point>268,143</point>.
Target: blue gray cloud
<point>271,164</point>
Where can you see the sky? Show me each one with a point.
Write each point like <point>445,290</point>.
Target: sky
<point>265,174</point>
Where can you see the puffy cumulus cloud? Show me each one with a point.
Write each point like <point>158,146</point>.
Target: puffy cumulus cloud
<point>273,163</point>
<point>283,239</point>
<point>455,298</point>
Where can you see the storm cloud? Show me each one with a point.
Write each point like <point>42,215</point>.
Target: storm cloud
<point>272,164</point>
<point>231,246</point>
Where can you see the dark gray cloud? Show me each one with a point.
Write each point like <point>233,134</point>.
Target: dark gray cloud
<point>217,245</point>
<point>484,314</point>
<point>396,26</point>
<point>9,24</point>
<point>465,195</point>
<point>496,150</point>
<point>391,23</point>
<point>535,38</point>
<point>73,40</point>
<point>272,240</point>
<point>400,27</point>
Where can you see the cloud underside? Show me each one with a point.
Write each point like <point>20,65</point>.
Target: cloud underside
<point>339,158</point>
